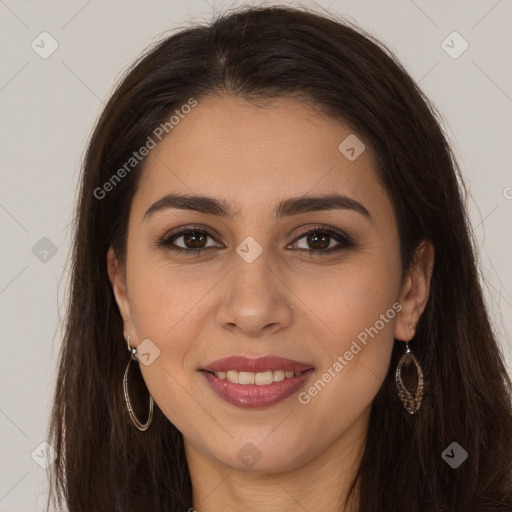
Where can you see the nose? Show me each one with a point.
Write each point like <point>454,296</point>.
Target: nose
<point>255,300</point>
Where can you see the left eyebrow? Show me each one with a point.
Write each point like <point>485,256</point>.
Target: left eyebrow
<point>287,207</point>
<point>296,205</point>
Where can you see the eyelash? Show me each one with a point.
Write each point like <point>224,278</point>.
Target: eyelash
<point>345,240</point>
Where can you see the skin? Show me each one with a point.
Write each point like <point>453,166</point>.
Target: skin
<point>197,309</point>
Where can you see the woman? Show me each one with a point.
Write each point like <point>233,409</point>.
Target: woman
<point>275,302</point>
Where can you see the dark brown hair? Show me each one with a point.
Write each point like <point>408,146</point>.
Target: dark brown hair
<point>257,54</point>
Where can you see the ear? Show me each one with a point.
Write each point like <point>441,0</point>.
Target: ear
<point>415,291</point>
<point>117,278</point>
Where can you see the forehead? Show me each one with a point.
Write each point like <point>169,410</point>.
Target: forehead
<point>245,154</point>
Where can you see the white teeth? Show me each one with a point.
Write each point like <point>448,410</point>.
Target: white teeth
<point>279,375</point>
<point>259,378</point>
<point>232,376</point>
<point>262,378</point>
<point>245,378</point>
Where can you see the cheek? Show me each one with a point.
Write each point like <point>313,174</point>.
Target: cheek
<point>354,364</point>
<point>163,312</point>
<point>355,349</point>
<point>164,298</point>
<point>168,307</point>
<point>355,308</point>
<point>350,298</point>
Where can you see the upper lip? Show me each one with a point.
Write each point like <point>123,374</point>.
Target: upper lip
<point>259,364</point>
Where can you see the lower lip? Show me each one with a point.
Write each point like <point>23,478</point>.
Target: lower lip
<point>251,395</point>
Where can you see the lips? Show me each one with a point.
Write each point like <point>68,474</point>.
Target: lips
<point>260,364</point>
<point>249,395</point>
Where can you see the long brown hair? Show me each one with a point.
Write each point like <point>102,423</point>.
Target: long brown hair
<point>259,53</point>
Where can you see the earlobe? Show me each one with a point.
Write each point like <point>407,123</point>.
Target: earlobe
<point>415,292</point>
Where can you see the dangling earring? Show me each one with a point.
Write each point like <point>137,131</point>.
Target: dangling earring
<point>410,402</point>
<point>141,426</point>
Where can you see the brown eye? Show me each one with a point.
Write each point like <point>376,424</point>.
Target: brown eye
<point>186,240</point>
<point>321,240</point>
<point>194,240</point>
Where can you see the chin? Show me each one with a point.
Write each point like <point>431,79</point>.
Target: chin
<point>258,454</point>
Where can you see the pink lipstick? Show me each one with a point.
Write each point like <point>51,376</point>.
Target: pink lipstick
<point>252,383</point>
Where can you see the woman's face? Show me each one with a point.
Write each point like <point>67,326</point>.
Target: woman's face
<point>328,302</point>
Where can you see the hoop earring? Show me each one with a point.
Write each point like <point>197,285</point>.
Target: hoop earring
<point>411,402</point>
<point>136,422</point>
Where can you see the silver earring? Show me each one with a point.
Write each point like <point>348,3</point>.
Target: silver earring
<point>141,426</point>
<point>410,401</point>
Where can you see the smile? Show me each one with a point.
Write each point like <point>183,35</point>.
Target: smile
<point>256,383</point>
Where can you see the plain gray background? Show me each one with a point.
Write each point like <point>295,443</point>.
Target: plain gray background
<point>48,109</point>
